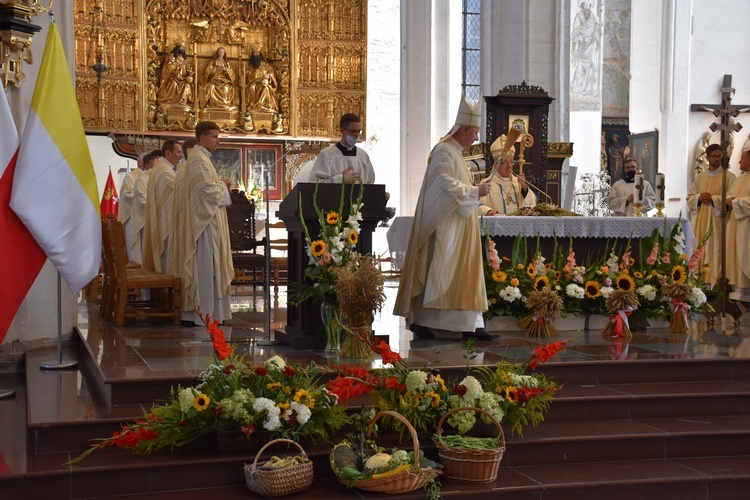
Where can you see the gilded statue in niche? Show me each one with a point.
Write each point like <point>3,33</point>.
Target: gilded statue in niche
<point>262,85</point>
<point>218,83</point>
<point>176,78</point>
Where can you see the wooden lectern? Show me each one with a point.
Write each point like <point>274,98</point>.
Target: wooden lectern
<point>304,329</point>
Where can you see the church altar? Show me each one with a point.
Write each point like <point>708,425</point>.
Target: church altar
<point>590,234</point>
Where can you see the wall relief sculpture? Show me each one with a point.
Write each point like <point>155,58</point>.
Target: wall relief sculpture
<point>218,60</point>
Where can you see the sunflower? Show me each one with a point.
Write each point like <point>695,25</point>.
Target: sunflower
<point>499,276</point>
<point>303,396</point>
<point>201,402</point>
<point>332,218</point>
<point>440,381</point>
<point>353,238</point>
<point>274,386</point>
<point>625,282</point>
<point>558,274</point>
<point>284,407</point>
<point>531,270</point>
<point>638,274</point>
<point>541,282</point>
<point>509,393</point>
<point>678,274</point>
<point>433,397</point>
<point>318,248</point>
<point>592,290</point>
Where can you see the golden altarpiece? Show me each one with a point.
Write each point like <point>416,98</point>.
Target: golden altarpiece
<point>276,75</point>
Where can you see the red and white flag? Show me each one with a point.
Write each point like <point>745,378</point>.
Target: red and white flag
<point>110,202</point>
<point>21,258</point>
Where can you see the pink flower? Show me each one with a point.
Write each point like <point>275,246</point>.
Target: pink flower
<point>651,260</point>
<point>625,260</point>
<point>665,258</point>
<point>494,259</point>
<point>248,429</point>
<point>696,258</point>
<point>571,261</point>
<point>327,258</point>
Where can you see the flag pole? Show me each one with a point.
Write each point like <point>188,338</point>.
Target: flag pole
<point>60,364</point>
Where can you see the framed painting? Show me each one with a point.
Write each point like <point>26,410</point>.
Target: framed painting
<point>227,161</point>
<point>645,149</point>
<point>263,161</point>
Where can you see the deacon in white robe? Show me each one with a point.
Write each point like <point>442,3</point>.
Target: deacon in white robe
<point>344,161</point>
<point>704,202</point>
<point>176,258</point>
<point>160,208</point>
<point>508,192</point>
<point>738,231</point>
<point>134,236</point>
<point>204,234</point>
<point>620,197</point>
<point>442,289</point>
<point>127,189</point>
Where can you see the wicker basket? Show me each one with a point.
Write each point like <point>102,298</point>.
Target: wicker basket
<point>463,464</point>
<point>404,481</point>
<point>277,482</point>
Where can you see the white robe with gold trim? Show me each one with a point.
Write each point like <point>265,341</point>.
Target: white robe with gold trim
<point>442,281</point>
<point>159,210</point>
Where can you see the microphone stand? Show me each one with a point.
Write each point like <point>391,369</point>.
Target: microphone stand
<point>267,341</point>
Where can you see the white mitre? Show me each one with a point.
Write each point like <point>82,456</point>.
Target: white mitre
<point>468,115</point>
<point>498,147</point>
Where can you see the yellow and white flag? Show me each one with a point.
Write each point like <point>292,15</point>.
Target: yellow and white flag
<point>54,187</point>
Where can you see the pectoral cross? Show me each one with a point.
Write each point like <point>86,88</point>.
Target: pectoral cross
<point>639,187</point>
<point>660,187</point>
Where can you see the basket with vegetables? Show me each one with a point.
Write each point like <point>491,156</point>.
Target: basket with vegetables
<point>361,464</point>
<point>279,476</point>
<point>470,458</point>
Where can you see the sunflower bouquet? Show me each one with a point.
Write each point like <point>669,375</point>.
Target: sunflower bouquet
<point>274,398</point>
<point>334,247</point>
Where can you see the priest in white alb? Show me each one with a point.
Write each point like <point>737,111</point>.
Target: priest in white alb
<point>738,231</point>
<point>442,291</point>
<point>203,237</point>
<point>160,208</point>
<point>134,234</point>
<point>704,202</point>
<point>127,189</point>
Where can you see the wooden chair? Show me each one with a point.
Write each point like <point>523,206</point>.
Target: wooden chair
<point>165,289</point>
<point>242,236</point>
<point>107,299</point>
<point>279,263</point>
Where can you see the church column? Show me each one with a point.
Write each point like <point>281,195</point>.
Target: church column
<point>430,85</point>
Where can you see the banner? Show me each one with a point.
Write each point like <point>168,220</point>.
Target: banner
<point>21,259</point>
<point>110,201</point>
<point>54,187</point>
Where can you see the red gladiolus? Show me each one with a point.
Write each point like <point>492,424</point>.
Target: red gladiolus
<point>261,371</point>
<point>387,354</point>
<point>544,353</point>
<point>289,371</point>
<point>228,369</point>
<point>217,411</point>
<point>460,390</point>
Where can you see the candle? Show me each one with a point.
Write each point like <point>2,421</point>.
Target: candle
<point>638,193</point>
<point>659,188</point>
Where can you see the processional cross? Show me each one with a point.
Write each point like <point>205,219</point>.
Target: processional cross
<point>725,111</point>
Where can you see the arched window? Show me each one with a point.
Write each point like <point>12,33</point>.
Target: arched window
<point>470,46</point>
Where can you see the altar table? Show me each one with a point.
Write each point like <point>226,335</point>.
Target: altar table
<point>590,234</point>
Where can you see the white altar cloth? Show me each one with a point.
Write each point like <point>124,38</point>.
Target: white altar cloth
<point>548,227</point>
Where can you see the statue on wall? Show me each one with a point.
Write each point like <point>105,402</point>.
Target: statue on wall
<point>218,83</point>
<point>175,84</point>
<point>262,85</point>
